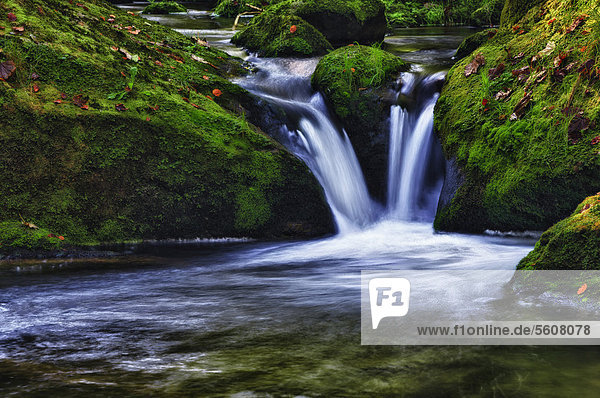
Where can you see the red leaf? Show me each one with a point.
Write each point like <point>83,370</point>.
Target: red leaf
<point>484,102</point>
<point>120,107</point>
<point>216,92</point>
<point>36,88</point>
<point>85,107</point>
<point>582,288</point>
<point>147,118</point>
<point>550,22</point>
<point>154,108</point>
<point>595,140</point>
<point>58,102</point>
<point>293,29</point>
<point>11,17</point>
<point>7,69</point>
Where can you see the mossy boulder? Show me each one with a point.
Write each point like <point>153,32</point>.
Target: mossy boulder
<point>519,119</point>
<point>16,236</point>
<point>164,7</point>
<point>355,80</point>
<point>119,130</point>
<point>320,25</point>
<point>473,42</point>
<point>514,10</point>
<point>274,35</point>
<point>573,243</point>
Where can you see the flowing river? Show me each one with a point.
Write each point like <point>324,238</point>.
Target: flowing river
<point>245,318</point>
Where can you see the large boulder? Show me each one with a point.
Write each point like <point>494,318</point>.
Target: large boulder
<point>355,80</point>
<point>114,130</point>
<point>520,117</point>
<point>573,243</point>
<point>274,35</point>
<point>310,27</point>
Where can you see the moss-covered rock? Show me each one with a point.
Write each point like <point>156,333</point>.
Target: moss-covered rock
<point>473,42</point>
<point>339,23</point>
<point>514,10</point>
<point>354,80</point>
<point>573,243</point>
<point>164,7</point>
<point>274,35</point>
<point>16,235</point>
<point>520,119</point>
<point>116,128</point>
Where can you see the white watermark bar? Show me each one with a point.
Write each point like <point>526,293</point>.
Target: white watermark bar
<point>483,307</point>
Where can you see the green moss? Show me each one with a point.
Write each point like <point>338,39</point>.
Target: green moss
<point>15,235</point>
<point>232,8</point>
<point>348,75</point>
<point>573,243</point>
<point>164,7</point>
<point>118,145</point>
<point>529,172</point>
<point>474,41</point>
<point>272,35</point>
<point>514,10</point>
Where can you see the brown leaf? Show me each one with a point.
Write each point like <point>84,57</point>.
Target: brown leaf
<point>575,24</point>
<point>595,140</point>
<point>502,95</point>
<point>495,72</point>
<point>7,68</point>
<point>521,107</point>
<point>80,101</point>
<point>11,17</point>
<point>120,107</point>
<point>18,29</point>
<point>578,124</point>
<point>473,67</point>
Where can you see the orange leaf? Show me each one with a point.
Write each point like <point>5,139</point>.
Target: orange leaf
<point>205,77</point>
<point>36,88</point>
<point>61,237</point>
<point>216,92</point>
<point>293,29</point>
<point>582,288</point>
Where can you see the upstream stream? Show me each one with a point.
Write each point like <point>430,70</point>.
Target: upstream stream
<point>245,318</point>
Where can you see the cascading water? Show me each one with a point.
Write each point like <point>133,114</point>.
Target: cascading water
<point>310,132</point>
<point>411,140</point>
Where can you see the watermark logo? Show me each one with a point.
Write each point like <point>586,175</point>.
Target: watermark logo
<point>389,297</point>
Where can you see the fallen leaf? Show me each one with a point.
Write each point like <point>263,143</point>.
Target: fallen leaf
<point>473,67</point>
<point>206,77</point>
<point>497,71</point>
<point>502,95</point>
<point>550,47</point>
<point>578,124</point>
<point>7,69</point>
<point>575,24</point>
<point>61,237</point>
<point>147,118</point>
<point>11,17</point>
<point>194,105</point>
<point>58,102</point>
<point>120,107</point>
<point>154,108</point>
<point>216,92</point>
<point>125,52</point>
<point>135,32</point>
<point>521,107</point>
<point>550,22</point>
<point>80,101</point>
<point>293,29</point>
<point>197,58</point>
<point>582,289</point>
<point>36,88</point>
<point>484,102</point>
<point>595,140</point>
<point>34,76</point>
<point>85,107</point>
<point>18,28</point>
<point>114,48</point>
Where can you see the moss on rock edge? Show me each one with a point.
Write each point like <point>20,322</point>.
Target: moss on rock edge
<point>273,35</point>
<point>573,243</point>
<point>107,133</point>
<point>522,130</point>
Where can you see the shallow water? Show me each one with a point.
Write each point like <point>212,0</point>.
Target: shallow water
<point>257,318</point>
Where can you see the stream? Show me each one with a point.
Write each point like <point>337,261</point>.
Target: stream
<point>251,319</point>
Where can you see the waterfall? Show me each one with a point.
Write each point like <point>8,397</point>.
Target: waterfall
<point>410,149</point>
<point>304,125</point>
<point>330,156</point>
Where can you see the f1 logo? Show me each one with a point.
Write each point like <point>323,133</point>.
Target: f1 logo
<point>388,297</point>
